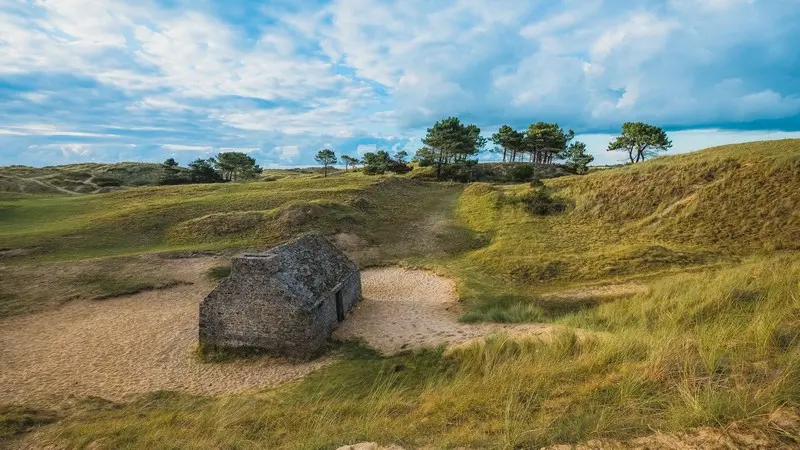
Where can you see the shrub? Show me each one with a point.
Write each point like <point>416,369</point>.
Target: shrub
<point>523,172</point>
<point>107,182</point>
<point>380,162</point>
<point>539,201</point>
<point>461,171</point>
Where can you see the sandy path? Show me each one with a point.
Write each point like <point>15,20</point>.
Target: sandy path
<point>405,308</point>
<point>112,348</point>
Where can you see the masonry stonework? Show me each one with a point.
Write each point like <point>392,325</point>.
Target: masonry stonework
<point>283,300</point>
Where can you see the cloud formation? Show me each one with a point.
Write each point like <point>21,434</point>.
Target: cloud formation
<point>112,79</point>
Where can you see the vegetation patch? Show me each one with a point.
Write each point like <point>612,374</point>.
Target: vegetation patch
<point>17,420</point>
<point>212,227</point>
<point>218,273</point>
<point>687,353</point>
<point>540,201</point>
<point>107,182</point>
<point>29,289</point>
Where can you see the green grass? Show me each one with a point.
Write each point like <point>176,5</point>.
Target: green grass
<point>218,273</point>
<point>47,241</point>
<point>17,420</point>
<point>713,339</point>
<point>211,216</point>
<point>706,209</point>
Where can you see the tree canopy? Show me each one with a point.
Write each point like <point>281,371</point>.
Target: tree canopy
<point>451,141</point>
<point>202,171</point>
<point>546,141</point>
<point>348,161</point>
<point>510,140</point>
<point>326,158</point>
<point>235,166</point>
<point>640,140</point>
<point>577,158</point>
<point>381,162</point>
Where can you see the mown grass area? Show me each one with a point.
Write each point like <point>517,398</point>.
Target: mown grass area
<point>697,349</point>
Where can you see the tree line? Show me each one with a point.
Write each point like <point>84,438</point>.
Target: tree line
<point>225,167</point>
<point>373,163</point>
<point>451,147</point>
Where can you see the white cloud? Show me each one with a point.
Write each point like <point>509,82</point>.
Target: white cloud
<point>185,148</point>
<point>349,69</point>
<point>288,152</point>
<point>48,130</point>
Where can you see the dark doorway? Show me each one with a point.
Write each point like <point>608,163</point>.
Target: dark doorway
<point>339,306</point>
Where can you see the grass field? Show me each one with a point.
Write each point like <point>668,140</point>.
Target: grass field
<point>713,337</point>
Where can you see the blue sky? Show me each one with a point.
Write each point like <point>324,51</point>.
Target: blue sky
<point>111,80</point>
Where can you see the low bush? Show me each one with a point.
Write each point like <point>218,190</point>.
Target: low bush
<point>107,182</point>
<point>523,172</point>
<point>218,273</point>
<point>540,201</point>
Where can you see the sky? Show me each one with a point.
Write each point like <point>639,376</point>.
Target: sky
<point>145,80</point>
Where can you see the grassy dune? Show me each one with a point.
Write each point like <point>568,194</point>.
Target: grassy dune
<point>89,246</point>
<point>212,216</point>
<point>713,337</point>
<point>707,209</point>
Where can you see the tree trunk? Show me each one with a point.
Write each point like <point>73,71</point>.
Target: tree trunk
<point>439,165</point>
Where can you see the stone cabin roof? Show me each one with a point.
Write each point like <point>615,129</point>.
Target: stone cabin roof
<point>304,271</point>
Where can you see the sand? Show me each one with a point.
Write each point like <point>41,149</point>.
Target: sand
<point>117,347</point>
<point>145,342</point>
<point>404,309</point>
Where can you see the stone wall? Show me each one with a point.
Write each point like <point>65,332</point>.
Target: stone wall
<point>324,320</point>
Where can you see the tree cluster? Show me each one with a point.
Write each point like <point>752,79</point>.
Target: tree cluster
<point>375,163</point>
<point>640,140</point>
<point>450,142</point>
<point>381,162</point>
<point>450,146</point>
<point>541,143</point>
<point>226,166</point>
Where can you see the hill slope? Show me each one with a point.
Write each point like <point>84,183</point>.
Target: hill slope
<point>77,178</point>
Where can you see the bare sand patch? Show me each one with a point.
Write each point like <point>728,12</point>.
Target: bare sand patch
<point>117,347</point>
<point>406,308</point>
<point>144,342</point>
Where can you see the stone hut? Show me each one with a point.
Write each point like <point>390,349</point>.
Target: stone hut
<point>286,300</point>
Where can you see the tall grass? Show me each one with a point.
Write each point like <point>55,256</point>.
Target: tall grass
<point>700,349</point>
